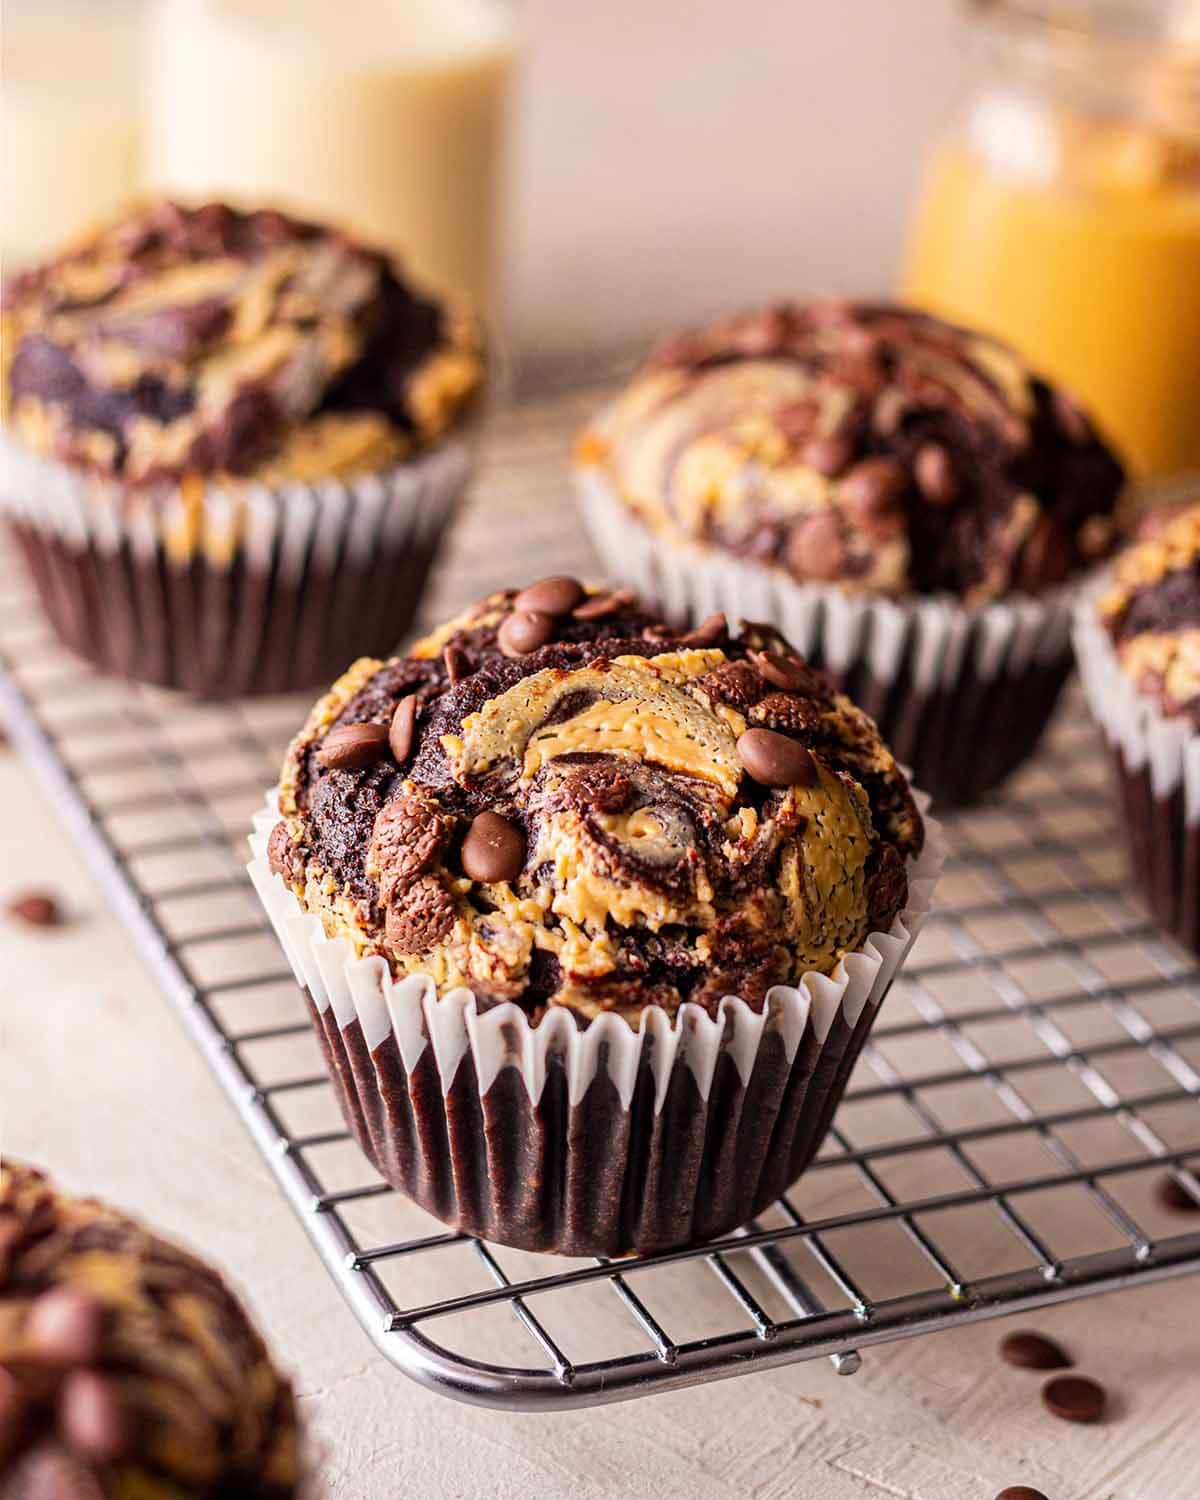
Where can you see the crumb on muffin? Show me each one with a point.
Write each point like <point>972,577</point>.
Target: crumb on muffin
<point>558,800</point>
<point>870,446</point>
<point>211,342</point>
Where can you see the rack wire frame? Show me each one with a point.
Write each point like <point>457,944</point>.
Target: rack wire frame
<point>784,1290</point>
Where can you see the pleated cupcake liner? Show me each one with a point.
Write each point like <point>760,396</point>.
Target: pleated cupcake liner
<point>237,590</point>
<point>960,695</point>
<point>594,1138</point>
<point>1156,764</point>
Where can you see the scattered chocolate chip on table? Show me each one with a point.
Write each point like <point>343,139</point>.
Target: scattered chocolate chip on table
<point>37,908</point>
<point>1033,1351</point>
<point>1074,1398</point>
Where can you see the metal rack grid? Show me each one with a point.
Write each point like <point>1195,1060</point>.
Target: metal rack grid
<point>1034,1075</point>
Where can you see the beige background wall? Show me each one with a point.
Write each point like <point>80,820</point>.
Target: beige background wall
<point>673,156</point>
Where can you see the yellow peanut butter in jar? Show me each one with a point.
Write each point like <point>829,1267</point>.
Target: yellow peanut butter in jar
<point>1064,214</point>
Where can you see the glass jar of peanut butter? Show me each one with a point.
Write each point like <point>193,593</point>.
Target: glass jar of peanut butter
<point>1062,212</point>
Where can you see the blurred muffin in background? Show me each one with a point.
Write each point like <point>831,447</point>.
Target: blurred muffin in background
<point>233,442</point>
<point>1138,643</point>
<point>127,1368</point>
<point>903,498</point>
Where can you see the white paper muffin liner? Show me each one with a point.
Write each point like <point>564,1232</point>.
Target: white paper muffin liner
<point>231,589</point>
<point>1156,758</point>
<point>596,1138</point>
<point>961,695</point>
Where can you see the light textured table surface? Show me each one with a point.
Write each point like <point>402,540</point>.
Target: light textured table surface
<point>99,1082</point>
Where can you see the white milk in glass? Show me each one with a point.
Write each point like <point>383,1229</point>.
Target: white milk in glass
<point>69,120</point>
<point>384,116</point>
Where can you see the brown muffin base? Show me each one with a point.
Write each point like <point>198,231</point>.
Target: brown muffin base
<point>1164,851</point>
<point>225,632</point>
<point>962,743</point>
<point>591,1178</point>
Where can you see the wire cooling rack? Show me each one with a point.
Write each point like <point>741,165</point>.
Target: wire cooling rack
<point>1033,1078</point>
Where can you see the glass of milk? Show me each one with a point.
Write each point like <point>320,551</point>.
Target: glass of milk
<point>384,116</point>
<point>69,120</point>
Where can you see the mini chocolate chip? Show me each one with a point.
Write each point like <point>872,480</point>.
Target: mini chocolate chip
<point>456,663</point>
<point>782,671</point>
<point>761,333</point>
<point>1074,1398</point>
<point>872,486</point>
<point>1020,1492</point>
<point>1174,1196</point>
<point>493,850</point>
<point>66,1327</point>
<point>933,469</point>
<point>525,631</point>
<point>772,759</point>
<point>92,1417</point>
<point>1033,1351</point>
<point>1071,418</point>
<point>37,908</point>
<point>352,747</point>
<point>828,455</point>
<point>815,548</point>
<point>403,728</point>
<point>603,605</point>
<point>551,596</point>
<point>796,419</point>
<point>861,342</point>
<point>708,632</point>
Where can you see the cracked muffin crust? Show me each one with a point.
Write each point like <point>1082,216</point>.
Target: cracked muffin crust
<point>1152,613</point>
<point>211,342</point>
<point>871,446</point>
<point>127,1369</point>
<point>558,800</point>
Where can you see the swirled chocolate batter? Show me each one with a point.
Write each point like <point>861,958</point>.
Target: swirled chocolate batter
<point>595,811</point>
<point>866,445</point>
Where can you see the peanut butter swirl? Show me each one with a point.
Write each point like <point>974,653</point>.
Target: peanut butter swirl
<point>865,445</point>
<point>576,806</point>
<point>194,342</point>
<point>1152,613</point>
<point>127,1369</point>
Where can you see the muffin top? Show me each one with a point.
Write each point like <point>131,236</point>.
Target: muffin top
<point>1152,613</point>
<point>558,800</point>
<point>869,446</point>
<point>206,341</point>
<point>127,1369</point>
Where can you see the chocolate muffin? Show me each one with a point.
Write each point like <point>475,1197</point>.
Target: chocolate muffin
<point>1139,653</point>
<point>229,454</point>
<point>902,496</point>
<point>556,837</point>
<point>127,1368</point>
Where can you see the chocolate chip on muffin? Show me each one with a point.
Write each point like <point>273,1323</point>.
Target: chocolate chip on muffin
<point>126,1366</point>
<point>603,811</point>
